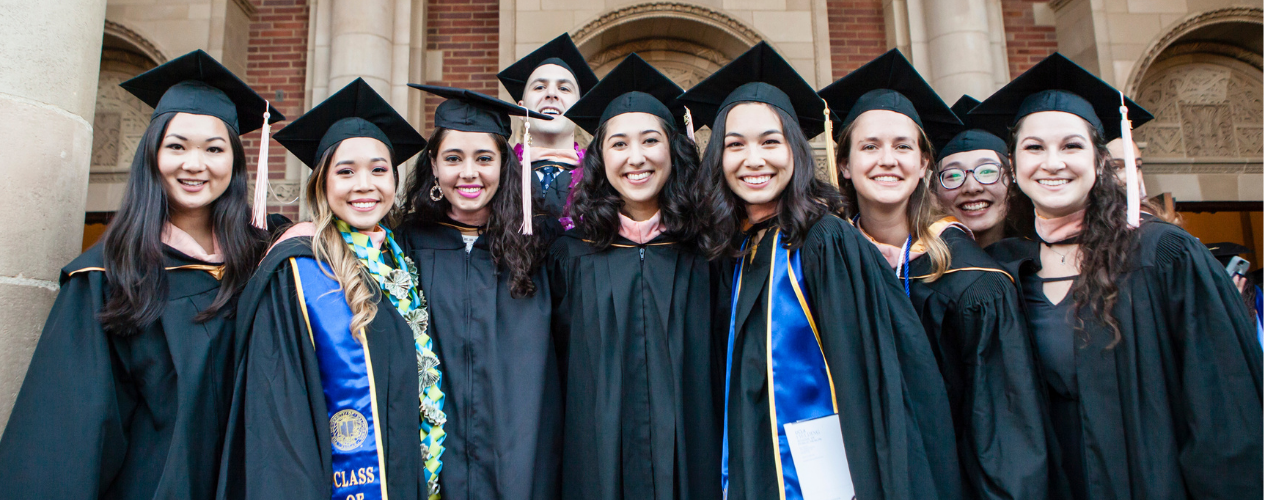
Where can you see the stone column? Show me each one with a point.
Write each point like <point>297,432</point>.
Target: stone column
<point>362,44</point>
<point>960,48</point>
<point>51,53</point>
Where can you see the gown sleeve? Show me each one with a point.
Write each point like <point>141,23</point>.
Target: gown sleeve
<point>891,395</point>
<point>556,267</point>
<point>1004,452</point>
<point>1217,366</point>
<point>65,437</point>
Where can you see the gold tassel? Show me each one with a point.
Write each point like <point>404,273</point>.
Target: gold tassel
<point>830,162</point>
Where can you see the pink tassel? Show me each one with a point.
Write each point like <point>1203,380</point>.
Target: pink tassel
<point>527,176</point>
<point>259,213</point>
<point>1130,166</point>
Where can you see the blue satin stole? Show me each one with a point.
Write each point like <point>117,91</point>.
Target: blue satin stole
<point>797,369</point>
<point>346,376</point>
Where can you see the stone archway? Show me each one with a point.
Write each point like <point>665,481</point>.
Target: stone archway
<point>119,122</point>
<point>686,42</point>
<point>1176,41</point>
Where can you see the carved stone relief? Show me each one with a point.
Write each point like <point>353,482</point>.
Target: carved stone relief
<point>118,124</point>
<point>1204,108</point>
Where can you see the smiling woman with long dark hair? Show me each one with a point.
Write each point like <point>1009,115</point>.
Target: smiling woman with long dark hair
<point>1149,358</point>
<point>489,302</point>
<point>632,302</point>
<point>127,391</point>
<point>820,334</point>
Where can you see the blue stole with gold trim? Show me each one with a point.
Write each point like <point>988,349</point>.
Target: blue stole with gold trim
<point>346,376</point>
<point>797,369</point>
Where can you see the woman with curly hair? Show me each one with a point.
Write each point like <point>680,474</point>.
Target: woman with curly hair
<point>489,302</point>
<point>632,302</point>
<point>327,403</point>
<point>1148,355</point>
<point>819,332</point>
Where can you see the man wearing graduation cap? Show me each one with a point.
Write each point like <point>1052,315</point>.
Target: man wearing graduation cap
<point>967,305</point>
<point>549,81</point>
<point>1153,383</point>
<point>126,388</point>
<point>821,337</point>
<point>330,401</point>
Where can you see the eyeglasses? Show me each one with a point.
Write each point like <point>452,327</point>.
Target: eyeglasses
<point>987,173</point>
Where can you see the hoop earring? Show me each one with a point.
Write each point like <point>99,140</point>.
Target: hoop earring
<point>436,193</point>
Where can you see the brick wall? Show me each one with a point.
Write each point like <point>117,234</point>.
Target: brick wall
<point>1025,42</point>
<point>857,34</point>
<point>276,60</point>
<point>468,34</point>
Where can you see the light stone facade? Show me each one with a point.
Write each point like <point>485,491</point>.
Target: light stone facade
<point>1205,144</point>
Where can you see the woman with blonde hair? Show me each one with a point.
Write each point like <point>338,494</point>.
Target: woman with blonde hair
<point>328,402</point>
<point>967,304</point>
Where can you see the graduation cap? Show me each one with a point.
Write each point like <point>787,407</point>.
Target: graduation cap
<point>968,138</point>
<point>890,83</point>
<point>759,75</point>
<point>354,111</point>
<point>470,111</point>
<point>1057,84</point>
<point>560,51</point>
<point>1226,251</point>
<point>631,87</point>
<point>196,83</point>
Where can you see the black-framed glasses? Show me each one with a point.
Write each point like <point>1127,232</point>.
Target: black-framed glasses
<point>986,173</point>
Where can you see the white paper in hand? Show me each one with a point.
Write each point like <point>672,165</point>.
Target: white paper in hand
<point>820,460</point>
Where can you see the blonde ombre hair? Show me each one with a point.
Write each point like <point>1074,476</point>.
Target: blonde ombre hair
<point>328,247</point>
<point>923,206</point>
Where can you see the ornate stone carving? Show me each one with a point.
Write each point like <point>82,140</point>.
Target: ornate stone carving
<point>120,121</point>
<point>1209,108</point>
<point>1207,130</point>
<point>618,52</point>
<point>667,9</point>
<point>1199,20</point>
<point>280,192</point>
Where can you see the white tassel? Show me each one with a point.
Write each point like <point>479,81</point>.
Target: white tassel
<point>259,213</point>
<point>689,124</point>
<point>1130,166</point>
<point>527,177</point>
<point>830,162</point>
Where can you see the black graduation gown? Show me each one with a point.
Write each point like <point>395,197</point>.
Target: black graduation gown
<point>634,327</point>
<point>1172,411</point>
<point>278,441</point>
<point>976,328</point>
<point>136,417</point>
<point>500,374</point>
<point>897,426</point>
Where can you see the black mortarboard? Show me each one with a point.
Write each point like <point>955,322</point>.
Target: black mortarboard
<point>470,111</point>
<point>631,87</point>
<point>1227,249</point>
<point>198,84</point>
<point>354,111</point>
<point>889,83</point>
<point>967,138</point>
<point>560,51</point>
<point>759,75</point>
<point>1057,84</point>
